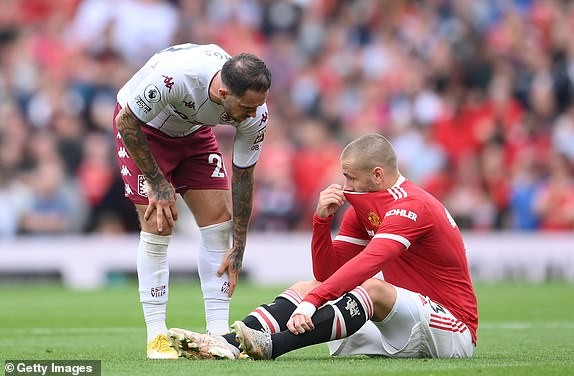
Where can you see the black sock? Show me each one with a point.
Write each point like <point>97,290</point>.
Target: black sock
<point>332,321</point>
<point>271,317</point>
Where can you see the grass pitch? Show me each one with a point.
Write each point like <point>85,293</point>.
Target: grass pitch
<point>525,329</point>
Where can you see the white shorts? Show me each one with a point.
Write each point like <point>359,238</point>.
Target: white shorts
<point>415,328</point>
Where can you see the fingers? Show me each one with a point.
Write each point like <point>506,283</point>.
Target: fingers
<point>170,214</point>
<point>148,211</point>
<point>291,326</point>
<point>335,191</point>
<point>299,324</point>
<point>223,267</point>
<point>232,273</point>
<point>161,197</point>
<point>337,187</point>
<point>174,212</point>
<point>330,199</point>
<point>165,215</point>
<point>159,220</point>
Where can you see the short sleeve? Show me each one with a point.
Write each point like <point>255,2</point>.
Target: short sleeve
<point>249,139</point>
<point>154,92</point>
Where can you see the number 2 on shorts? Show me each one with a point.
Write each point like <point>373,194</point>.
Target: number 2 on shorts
<point>218,171</point>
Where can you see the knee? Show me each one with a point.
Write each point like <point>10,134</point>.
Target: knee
<point>212,217</point>
<point>209,206</point>
<point>304,287</point>
<point>216,237</point>
<point>150,225</point>
<point>382,294</point>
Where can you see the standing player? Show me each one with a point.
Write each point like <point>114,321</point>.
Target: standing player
<point>424,307</point>
<point>166,145</point>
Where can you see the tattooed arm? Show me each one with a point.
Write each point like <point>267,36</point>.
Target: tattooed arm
<point>161,194</point>
<point>242,194</point>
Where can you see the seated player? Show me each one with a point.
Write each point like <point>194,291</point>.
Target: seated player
<point>424,308</point>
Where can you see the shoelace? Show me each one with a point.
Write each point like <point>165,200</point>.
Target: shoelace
<point>161,343</point>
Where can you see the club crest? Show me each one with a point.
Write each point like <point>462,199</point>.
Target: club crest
<point>374,219</point>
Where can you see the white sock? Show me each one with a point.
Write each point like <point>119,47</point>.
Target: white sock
<point>214,242</point>
<point>153,277</point>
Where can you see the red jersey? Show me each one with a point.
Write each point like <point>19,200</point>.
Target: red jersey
<point>408,235</point>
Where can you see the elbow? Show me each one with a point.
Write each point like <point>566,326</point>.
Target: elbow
<point>120,124</point>
<point>125,120</point>
<point>320,275</point>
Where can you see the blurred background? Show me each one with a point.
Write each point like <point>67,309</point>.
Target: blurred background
<point>477,97</point>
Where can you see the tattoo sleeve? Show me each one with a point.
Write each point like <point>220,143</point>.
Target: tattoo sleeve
<point>242,193</point>
<point>136,142</point>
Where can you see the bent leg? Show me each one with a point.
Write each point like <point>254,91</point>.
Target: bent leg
<point>334,320</point>
<point>395,318</point>
<point>413,327</point>
<point>273,317</point>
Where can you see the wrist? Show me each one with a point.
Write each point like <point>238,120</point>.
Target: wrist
<point>320,219</point>
<point>305,308</point>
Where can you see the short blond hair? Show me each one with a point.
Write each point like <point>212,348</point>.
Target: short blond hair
<point>370,151</point>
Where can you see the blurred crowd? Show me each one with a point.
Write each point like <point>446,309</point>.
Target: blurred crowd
<point>476,95</point>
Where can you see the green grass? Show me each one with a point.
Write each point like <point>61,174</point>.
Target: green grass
<point>525,329</point>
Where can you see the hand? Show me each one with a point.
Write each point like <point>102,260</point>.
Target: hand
<point>232,262</point>
<point>161,199</point>
<point>330,199</point>
<point>300,323</point>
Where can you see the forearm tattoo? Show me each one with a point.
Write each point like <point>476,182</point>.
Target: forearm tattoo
<point>137,145</point>
<point>242,193</point>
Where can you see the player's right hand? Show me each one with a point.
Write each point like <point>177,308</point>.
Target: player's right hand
<point>232,261</point>
<point>330,200</point>
<point>300,323</point>
<point>161,198</point>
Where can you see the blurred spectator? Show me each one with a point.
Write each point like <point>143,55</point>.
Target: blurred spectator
<point>526,180</point>
<point>496,181</point>
<point>14,139</point>
<point>563,134</point>
<point>554,202</point>
<point>467,201</point>
<point>52,207</point>
<point>315,164</point>
<point>276,206</point>
<point>421,157</point>
<point>95,172</point>
<point>12,196</point>
<point>135,29</point>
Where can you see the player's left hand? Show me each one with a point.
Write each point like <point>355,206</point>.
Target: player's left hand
<point>300,323</point>
<point>232,262</point>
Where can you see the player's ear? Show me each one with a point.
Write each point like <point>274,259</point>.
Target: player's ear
<point>378,174</point>
<point>223,92</point>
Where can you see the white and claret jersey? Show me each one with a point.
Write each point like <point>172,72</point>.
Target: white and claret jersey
<point>408,235</point>
<point>171,93</point>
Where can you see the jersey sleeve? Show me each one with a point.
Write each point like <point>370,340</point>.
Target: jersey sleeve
<point>405,222</point>
<point>249,137</point>
<point>329,255</point>
<point>155,91</point>
<point>356,271</point>
<point>395,235</point>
